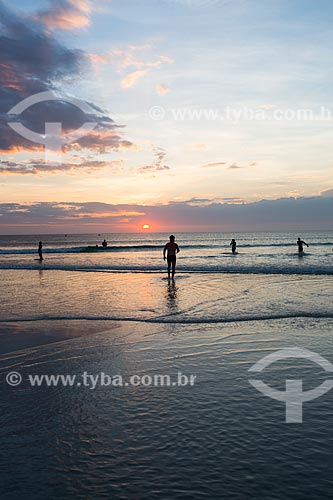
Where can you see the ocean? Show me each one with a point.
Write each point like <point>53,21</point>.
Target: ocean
<point>89,310</point>
<point>258,253</point>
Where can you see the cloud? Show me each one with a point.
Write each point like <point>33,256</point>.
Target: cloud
<point>208,201</point>
<point>40,168</point>
<point>152,168</point>
<point>159,163</point>
<point>199,146</point>
<point>77,215</point>
<point>327,192</point>
<point>66,14</point>
<point>292,214</point>
<point>132,78</point>
<point>215,164</point>
<point>42,67</point>
<point>202,202</point>
<point>136,57</point>
<point>162,89</point>
<point>100,141</point>
<point>234,166</point>
<point>63,214</point>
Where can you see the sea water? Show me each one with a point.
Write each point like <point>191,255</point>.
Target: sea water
<point>114,311</point>
<point>200,252</point>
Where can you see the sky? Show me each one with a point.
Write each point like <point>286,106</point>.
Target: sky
<point>206,115</point>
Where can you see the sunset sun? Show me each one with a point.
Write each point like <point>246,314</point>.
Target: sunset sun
<point>146,226</point>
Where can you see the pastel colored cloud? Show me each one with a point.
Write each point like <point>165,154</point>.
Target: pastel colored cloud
<point>162,89</point>
<point>215,164</point>
<point>199,146</point>
<point>66,14</point>
<point>131,79</point>
<point>138,57</point>
<point>231,166</point>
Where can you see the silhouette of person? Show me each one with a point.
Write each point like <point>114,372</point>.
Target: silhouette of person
<point>171,249</point>
<point>233,245</point>
<point>40,250</point>
<point>104,243</point>
<point>300,244</point>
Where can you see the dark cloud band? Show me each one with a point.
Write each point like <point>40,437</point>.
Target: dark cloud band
<point>33,61</point>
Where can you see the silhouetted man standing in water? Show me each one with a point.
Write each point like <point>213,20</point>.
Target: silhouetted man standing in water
<point>171,249</point>
<point>300,244</point>
<point>40,250</point>
<point>233,245</point>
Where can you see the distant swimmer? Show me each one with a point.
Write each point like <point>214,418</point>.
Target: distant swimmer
<point>300,244</point>
<point>104,243</point>
<point>233,245</point>
<point>40,250</point>
<point>171,249</point>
